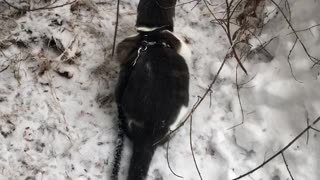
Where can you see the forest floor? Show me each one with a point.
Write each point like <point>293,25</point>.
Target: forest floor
<point>57,78</point>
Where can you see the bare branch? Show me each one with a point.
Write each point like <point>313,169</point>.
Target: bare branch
<point>313,59</point>
<point>288,60</point>
<point>195,5</point>
<point>239,100</point>
<point>14,7</point>
<point>53,7</point>
<point>226,27</point>
<point>193,156</point>
<point>116,28</point>
<point>306,29</point>
<point>234,9</point>
<point>287,6</point>
<point>171,7</point>
<point>169,162</point>
<point>285,162</point>
<point>210,95</point>
<point>221,23</point>
<point>189,2</point>
<point>281,151</point>
<point>315,129</point>
<point>248,81</point>
<point>2,70</point>
<point>38,9</point>
<point>196,105</point>
<point>232,44</point>
<point>307,125</point>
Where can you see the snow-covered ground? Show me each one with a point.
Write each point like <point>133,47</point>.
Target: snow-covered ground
<point>56,128</point>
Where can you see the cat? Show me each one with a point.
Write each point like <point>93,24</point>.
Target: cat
<point>152,93</point>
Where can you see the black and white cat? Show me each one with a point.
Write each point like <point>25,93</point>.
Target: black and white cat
<point>152,93</point>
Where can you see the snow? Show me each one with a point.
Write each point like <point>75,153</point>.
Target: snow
<point>54,128</point>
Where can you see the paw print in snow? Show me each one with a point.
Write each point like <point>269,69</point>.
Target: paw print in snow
<point>28,134</point>
<point>6,128</point>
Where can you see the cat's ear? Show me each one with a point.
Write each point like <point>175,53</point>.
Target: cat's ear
<point>171,39</point>
<point>126,47</point>
<point>177,44</point>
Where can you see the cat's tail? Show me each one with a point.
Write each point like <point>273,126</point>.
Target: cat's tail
<point>140,161</point>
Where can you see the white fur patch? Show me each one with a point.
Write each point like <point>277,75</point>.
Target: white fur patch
<point>146,29</point>
<point>184,50</point>
<point>133,35</point>
<point>181,116</point>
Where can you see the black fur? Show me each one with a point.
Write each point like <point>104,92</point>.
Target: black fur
<point>156,13</point>
<point>151,93</point>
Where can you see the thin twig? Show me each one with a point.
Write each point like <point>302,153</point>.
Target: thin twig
<point>287,6</point>
<point>38,9</point>
<point>285,162</point>
<point>168,162</point>
<point>4,68</point>
<point>53,7</point>
<point>281,151</point>
<point>232,44</point>
<point>61,132</point>
<point>196,105</point>
<point>193,156</point>
<point>51,4</point>
<point>171,7</point>
<point>210,95</point>
<point>115,29</point>
<point>188,3</point>
<point>226,27</point>
<point>306,29</point>
<point>269,41</point>
<point>53,91</point>
<point>315,129</point>
<point>3,54</point>
<point>195,5</point>
<point>288,60</point>
<point>239,100</point>
<point>221,23</point>
<point>313,59</point>
<point>235,8</point>
<point>307,125</point>
<point>211,4</point>
<point>248,81</point>
<point>14,7</point>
